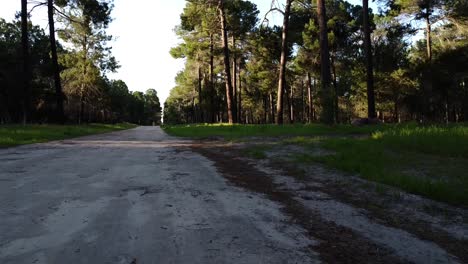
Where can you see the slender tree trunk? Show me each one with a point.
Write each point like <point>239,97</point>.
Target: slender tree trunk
<point>231,107</point>
<point>335,89</point>
<point>239,101</point>
<point>447,105</point>
<point>272,109</point>
<point>212,87</point>
<point>310,99</point>
<point>291,105</point>
<point>427,75</point>
<point>283,60</point>
<point>194,111</point>
<point>396,110</point>
<point>327,97</point>
<point>83,86</point>
<point>369,66</point>
<point>465,100</point>
<point>81,109</point>
<point>59,114</point>
<point>200,94</point>
<point>26,60</point>
<point>428,37</point>
<point>234,75</point>
<point>288,102</point>
<point>302,102</point>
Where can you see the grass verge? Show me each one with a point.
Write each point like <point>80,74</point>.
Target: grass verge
<point>430,161</point>
<point>239,131</point>
<point>14,135</point>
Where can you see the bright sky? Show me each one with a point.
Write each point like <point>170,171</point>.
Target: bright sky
<point>143,31</point>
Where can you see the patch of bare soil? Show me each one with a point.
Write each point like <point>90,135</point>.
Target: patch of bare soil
<point>433,231</point>
<point>429,220</point>
<point>338,244</point>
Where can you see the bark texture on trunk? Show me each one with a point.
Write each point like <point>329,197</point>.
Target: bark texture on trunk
<point>396,111</point>
<point>272,109</point>
<point>283,60</point>
<point>310,99</point>
<point>200,94</point>
<point>231,107</point>
<point>428,37</point>
<point>327,95</point>
<point>82,106</point>
<point>234,77</point>
<point>83,86</point>
<point>369,65</point>
<point>239,100</point>
<point>212,87</point>
<point>336,108</point>
<point>26,60</point>
<point>291,105</point>
<point>303,110</point>
<point>60,116</point>
<point>427,82</point>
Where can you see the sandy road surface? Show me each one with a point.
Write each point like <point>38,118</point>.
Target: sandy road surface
<point>134,196</point>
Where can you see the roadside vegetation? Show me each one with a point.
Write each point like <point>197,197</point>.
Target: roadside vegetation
<point>227,131</point>
<point>13,135</point>
<point>431,161</point>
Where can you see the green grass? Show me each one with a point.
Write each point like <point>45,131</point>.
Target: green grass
<point>13,135</point>
<point>430,161</point>
<point>239,131</point>
<point>257,151</point>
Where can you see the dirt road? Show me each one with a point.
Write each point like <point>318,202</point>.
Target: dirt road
<point>140,196</point>
<point>133,197</point>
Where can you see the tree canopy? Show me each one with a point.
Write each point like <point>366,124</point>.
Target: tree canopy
<point>412,76</point>
<point>83,59</point>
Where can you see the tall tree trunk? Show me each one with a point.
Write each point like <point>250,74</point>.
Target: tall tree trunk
<point>82,105</point>
<point>231,107</point>
<point>239,100</point>
<point>194,111</point>
<point>310,99</point>
<point>335,89</point>
<point>59,114</point>
<point>283,60</point>
<point>83,86</point>
<point>302,102</point>
<point>288,102</point>
<point>212,87</point>
<point>427,83</point>
<point>200,94</point>
<point>428,37</point>
<point>234,75</point>
<point>272,109</point>
<point>291,104</point>
<point>447,105</point>
<point>396,111</point>
<point>464,85</point>
<point>26,61</point>
<point>369,66</point>
<point>327,96</point>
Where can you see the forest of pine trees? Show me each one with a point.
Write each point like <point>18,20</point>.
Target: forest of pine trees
<point>330,61</point>
<point>64,80</point>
